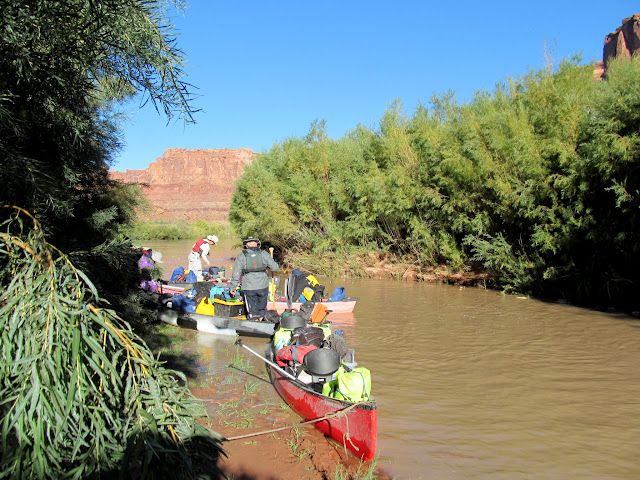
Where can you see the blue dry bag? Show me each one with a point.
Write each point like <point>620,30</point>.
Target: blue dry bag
<point>189,306</point>
<point>176,273</point>
<point>337,295</point>
<point>177,301</point>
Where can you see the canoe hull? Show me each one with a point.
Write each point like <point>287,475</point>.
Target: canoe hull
<point>356,430</point>
<point>341,306</point>
<point>215,324</point>
<point>173,288</point>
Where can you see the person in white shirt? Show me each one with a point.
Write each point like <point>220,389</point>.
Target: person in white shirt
<point>199,252</point>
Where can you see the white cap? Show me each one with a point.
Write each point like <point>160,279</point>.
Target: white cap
<point>156,257</point>
<point>213,238</point>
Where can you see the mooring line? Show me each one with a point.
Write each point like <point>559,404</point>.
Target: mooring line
<point>336,414</point>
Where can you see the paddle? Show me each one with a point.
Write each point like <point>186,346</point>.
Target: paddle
<point>269,362</point>
<point>272,281</point>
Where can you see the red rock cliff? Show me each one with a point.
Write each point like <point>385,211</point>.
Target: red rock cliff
<point>190,185</point>
<point>624,41</point>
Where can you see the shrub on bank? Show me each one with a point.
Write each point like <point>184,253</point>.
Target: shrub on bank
<point>537,182</point>
<point>82,395</point>
<point>160,230</point>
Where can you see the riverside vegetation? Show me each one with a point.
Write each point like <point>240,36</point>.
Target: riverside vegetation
<point>158,230</point>
<point>81,395</point>
<point>535,183</point>
<point>83,392</point>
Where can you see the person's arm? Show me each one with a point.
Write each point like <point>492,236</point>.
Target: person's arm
<point>237,272</point>
<point>205,253</point>
<point>271,263</point>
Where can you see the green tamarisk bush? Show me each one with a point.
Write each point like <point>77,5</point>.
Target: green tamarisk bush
<point>536,182</point>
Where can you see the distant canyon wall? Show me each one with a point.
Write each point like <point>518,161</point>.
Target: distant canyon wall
<point>623,42</point>
<point>190,185</point>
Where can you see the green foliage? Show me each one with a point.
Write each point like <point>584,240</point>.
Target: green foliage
<point>536,181</point>
<point>81,395</point>
<point>64,68</point>
<point>605,189</point>
<point>157,230</point>
<point>62,65</point>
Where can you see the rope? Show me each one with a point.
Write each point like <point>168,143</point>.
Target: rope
<point>347,438</point>
<point>335,414</point>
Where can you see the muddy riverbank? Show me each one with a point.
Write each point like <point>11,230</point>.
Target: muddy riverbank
<point>240,402</point>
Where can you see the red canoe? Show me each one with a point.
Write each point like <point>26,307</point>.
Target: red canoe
<point>357,430</point>
<point>173,288</point>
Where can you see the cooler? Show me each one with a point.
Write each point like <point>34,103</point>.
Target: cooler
<point>229,308</point>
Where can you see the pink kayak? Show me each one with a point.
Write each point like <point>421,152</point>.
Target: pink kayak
<point>339,306</point>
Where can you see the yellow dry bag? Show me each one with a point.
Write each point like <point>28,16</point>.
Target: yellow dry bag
<point>206,307</point>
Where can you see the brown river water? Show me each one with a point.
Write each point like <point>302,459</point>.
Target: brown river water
<point>471,383</point>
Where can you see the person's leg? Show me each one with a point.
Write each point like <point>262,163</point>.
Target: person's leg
<point>198,271</point>
<point>192,261</point>
<point>249,302</point>
<point>262,296</point>
<point>195,265</point>
<point>256,301</point>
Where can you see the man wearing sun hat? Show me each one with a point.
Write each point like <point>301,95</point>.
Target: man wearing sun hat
<point>250,270</point>
<point>200,251</point>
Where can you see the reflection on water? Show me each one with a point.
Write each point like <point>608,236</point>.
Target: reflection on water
<point>474,384</point>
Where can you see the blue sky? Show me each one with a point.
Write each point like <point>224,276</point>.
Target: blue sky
<point>265,70</point>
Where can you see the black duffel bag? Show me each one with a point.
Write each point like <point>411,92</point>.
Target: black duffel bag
<point>307,336</point>
<point>306,309</point>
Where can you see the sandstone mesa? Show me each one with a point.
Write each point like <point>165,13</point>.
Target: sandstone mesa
<point>190,185</point>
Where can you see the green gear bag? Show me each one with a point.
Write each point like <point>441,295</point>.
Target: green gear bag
<point>282,338</point>
<point>353,386</point>
<point>328,388</point>
<point>325,327</point>
<point>253,261</point>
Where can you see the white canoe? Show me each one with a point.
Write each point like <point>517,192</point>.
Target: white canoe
<point>215,324</point>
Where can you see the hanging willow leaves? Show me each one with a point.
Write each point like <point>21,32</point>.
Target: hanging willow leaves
<point>80,393</point>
